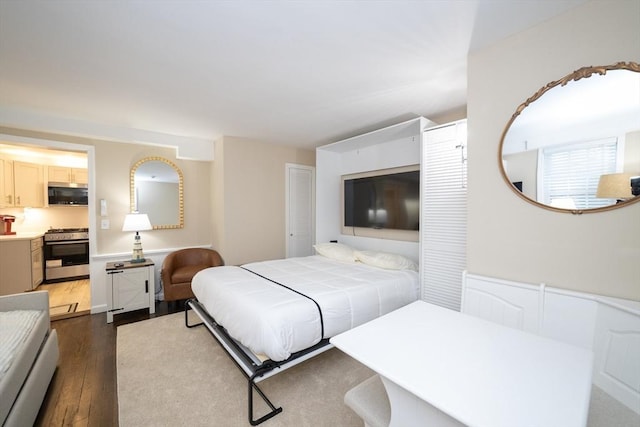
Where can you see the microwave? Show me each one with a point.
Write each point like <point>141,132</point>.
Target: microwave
<point>66,194</point>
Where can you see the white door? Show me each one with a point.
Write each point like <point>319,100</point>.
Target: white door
<point>300,201</point>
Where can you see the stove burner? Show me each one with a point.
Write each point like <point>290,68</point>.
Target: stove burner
<point>61,234</point>
<point>67,230</point>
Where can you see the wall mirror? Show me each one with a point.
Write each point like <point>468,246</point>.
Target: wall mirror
<point>574,146</point>
<point>157,190</point>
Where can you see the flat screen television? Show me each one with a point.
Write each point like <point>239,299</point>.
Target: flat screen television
<point>382,200</point>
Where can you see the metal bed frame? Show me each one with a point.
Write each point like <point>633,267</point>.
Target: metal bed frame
<point>254,369</point>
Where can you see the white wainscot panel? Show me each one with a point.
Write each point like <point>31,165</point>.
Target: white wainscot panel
<point>569,317</point>
<point>617,355</point>
<point>513,305</point>
<point>610,327</point>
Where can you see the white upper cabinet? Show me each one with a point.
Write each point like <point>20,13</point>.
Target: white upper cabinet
<point>65,174</point>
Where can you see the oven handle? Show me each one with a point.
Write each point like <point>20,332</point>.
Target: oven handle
<point>65,242</point>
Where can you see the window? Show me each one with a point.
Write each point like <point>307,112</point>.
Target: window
<point>570,173</point>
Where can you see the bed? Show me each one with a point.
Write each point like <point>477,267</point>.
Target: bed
<point>28,356</point>
<point>272,315</point>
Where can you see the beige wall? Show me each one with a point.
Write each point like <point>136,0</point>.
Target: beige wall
<point>250,223</point>
<point>235,203</point>
<point>632,153</point>
<point>113,162</point>
<point>523,167</point>
<point>508,237</point>
<point>217,200</point>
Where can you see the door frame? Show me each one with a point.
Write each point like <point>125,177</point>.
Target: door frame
<point>90,150</point>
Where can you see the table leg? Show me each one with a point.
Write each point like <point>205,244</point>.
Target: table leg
<point>407,409</point>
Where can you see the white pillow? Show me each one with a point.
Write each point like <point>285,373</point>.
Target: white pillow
<point>336,251</point>
<point>386,260</point>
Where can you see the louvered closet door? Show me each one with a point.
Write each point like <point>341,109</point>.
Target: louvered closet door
<point>443,221</point>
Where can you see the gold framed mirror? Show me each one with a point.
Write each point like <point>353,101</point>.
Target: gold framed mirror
<point>157,190</point>
<point>574,146</point>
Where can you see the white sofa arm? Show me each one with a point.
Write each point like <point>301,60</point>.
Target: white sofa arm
<point>38,300</point>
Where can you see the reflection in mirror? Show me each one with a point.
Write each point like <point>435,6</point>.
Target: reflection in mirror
<point>564,150</point>
<point>157,190</point>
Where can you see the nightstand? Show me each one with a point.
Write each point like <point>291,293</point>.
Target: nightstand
<point>130,286</point>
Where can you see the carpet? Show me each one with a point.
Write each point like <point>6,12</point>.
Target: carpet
<point>63,309</point>
<point>170,375</point>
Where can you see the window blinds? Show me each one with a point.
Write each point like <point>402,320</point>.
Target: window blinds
<point>443,221</point>
<point>572,172</point>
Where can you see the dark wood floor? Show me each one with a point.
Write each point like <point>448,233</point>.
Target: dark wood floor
<point>83,391</point>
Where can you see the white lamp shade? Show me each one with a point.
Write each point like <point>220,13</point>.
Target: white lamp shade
<point>136,222</point>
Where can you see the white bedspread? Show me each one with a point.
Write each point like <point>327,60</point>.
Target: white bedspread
<point>15,327</point>
<point>272,320</point>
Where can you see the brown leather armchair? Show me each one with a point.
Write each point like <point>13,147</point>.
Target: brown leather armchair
<point>180,266</point>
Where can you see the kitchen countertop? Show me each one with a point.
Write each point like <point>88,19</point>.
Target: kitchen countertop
<point>22,235</point>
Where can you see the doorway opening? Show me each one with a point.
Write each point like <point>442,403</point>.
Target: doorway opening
<point>72,297</point>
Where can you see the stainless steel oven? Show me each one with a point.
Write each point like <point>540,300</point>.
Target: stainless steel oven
<point>66,254</point>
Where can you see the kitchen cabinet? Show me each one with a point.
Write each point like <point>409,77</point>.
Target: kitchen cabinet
<point>28,185</point>
<point>70,175</point>
<point>21,263</point>
<point>21,184</point>
<point>7,196</point>
<point>130,286</point>
<point>37,263</point>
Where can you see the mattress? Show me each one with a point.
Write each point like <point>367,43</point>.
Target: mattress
<point>22,334</point>
<point>274,321</point>
<point>16,327</point>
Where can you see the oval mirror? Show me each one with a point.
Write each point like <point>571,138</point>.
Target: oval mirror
<point>574,146</point>
<point>157,190</point>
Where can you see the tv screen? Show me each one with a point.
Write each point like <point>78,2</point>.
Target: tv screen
<point>389,201</point>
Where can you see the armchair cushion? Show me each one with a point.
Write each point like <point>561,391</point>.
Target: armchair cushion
<point>180,266</point>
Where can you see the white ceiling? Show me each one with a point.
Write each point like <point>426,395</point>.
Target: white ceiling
<point>294,72</point>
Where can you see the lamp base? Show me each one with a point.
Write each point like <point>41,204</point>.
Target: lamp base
<point>137,255</point>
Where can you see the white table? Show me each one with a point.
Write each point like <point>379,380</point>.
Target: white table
<point>441,367</point>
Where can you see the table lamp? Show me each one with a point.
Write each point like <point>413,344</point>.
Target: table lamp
<point>137,222</point>
<point>615,186</point>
